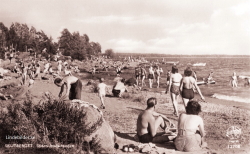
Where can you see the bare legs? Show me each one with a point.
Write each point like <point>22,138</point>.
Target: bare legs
<point>185,101</point>
<point>150,83</point>
<point>160,137</point>
<point>158,81</point>
<point>143,81</point>
<point>102,100</point>
<point>174,99</point>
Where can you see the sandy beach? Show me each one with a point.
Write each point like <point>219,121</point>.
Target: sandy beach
<point>121,113</point>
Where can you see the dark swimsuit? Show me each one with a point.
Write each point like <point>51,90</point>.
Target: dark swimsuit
<point>188,93</point>
<point>150,76</point>
<point>75,90</point>
<point>145,138</point>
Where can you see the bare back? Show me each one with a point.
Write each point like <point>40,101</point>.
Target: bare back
<point>143,121</point>
<point>188,82</point>
<point>189,124</point>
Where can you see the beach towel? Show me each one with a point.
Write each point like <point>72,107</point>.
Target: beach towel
<point>75,90</point>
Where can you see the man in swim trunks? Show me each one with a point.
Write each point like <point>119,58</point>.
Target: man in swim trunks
<point>151,76</point>
<point>137,74</point>
<point>149,121</point>
<point>102,87</point>
<point>143,75</point>
<point>158,72</point>
<point>73,87</point>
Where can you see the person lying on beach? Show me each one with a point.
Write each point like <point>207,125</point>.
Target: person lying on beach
<point>119,88</point>
<point>73,87</point>
<point>102,87</point>
<point>190,129</point>
<point>149,121</point>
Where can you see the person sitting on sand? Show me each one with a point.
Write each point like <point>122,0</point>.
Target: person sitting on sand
<point>234,80</point>
<point>73,87</point>
<point>149,121</point>
<point>188,83</point>
<point>119,88</point>
<point>174,88</point>
<point>190,129</point>
<point>102,87</point>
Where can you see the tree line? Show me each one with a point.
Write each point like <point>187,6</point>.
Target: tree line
<point>19,37</point>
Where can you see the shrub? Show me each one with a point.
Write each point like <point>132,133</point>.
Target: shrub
<point>50,122</point>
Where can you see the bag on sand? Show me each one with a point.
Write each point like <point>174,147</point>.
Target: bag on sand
<point>103,134</point>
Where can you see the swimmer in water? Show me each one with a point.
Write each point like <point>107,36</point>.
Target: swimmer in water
<point>234,80</point>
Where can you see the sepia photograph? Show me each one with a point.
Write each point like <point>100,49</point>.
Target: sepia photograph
<point>124,76</point>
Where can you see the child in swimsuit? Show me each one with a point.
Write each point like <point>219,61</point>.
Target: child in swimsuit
<point>102,91</point>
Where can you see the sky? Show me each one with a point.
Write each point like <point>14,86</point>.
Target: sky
<point>188,27</point>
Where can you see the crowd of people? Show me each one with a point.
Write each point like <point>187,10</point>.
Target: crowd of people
<point>190,136</point>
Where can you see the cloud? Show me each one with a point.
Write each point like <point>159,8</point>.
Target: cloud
<point>167,26</point>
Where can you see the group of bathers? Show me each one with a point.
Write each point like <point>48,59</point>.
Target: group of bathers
<point>186,93</point>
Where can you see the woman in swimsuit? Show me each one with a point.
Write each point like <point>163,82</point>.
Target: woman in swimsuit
<point>174,84</point>
<point>188,83</point>
<point>190,129</point>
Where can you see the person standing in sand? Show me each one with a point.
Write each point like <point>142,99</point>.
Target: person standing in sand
<point>101,87</point>
<point>137,74</point>
<point>149,121</point>
<point>73,87</point>
<point>234,80</point>
<point>143,76</point>
<point>190,129</point>
<point>59,67</point>
<point>158,72</point>
<point>151,76</point>
<point>188,83</point>
<point>174,88</point>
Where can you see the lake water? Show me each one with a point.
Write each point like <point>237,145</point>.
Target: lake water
<point>223,67</point>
